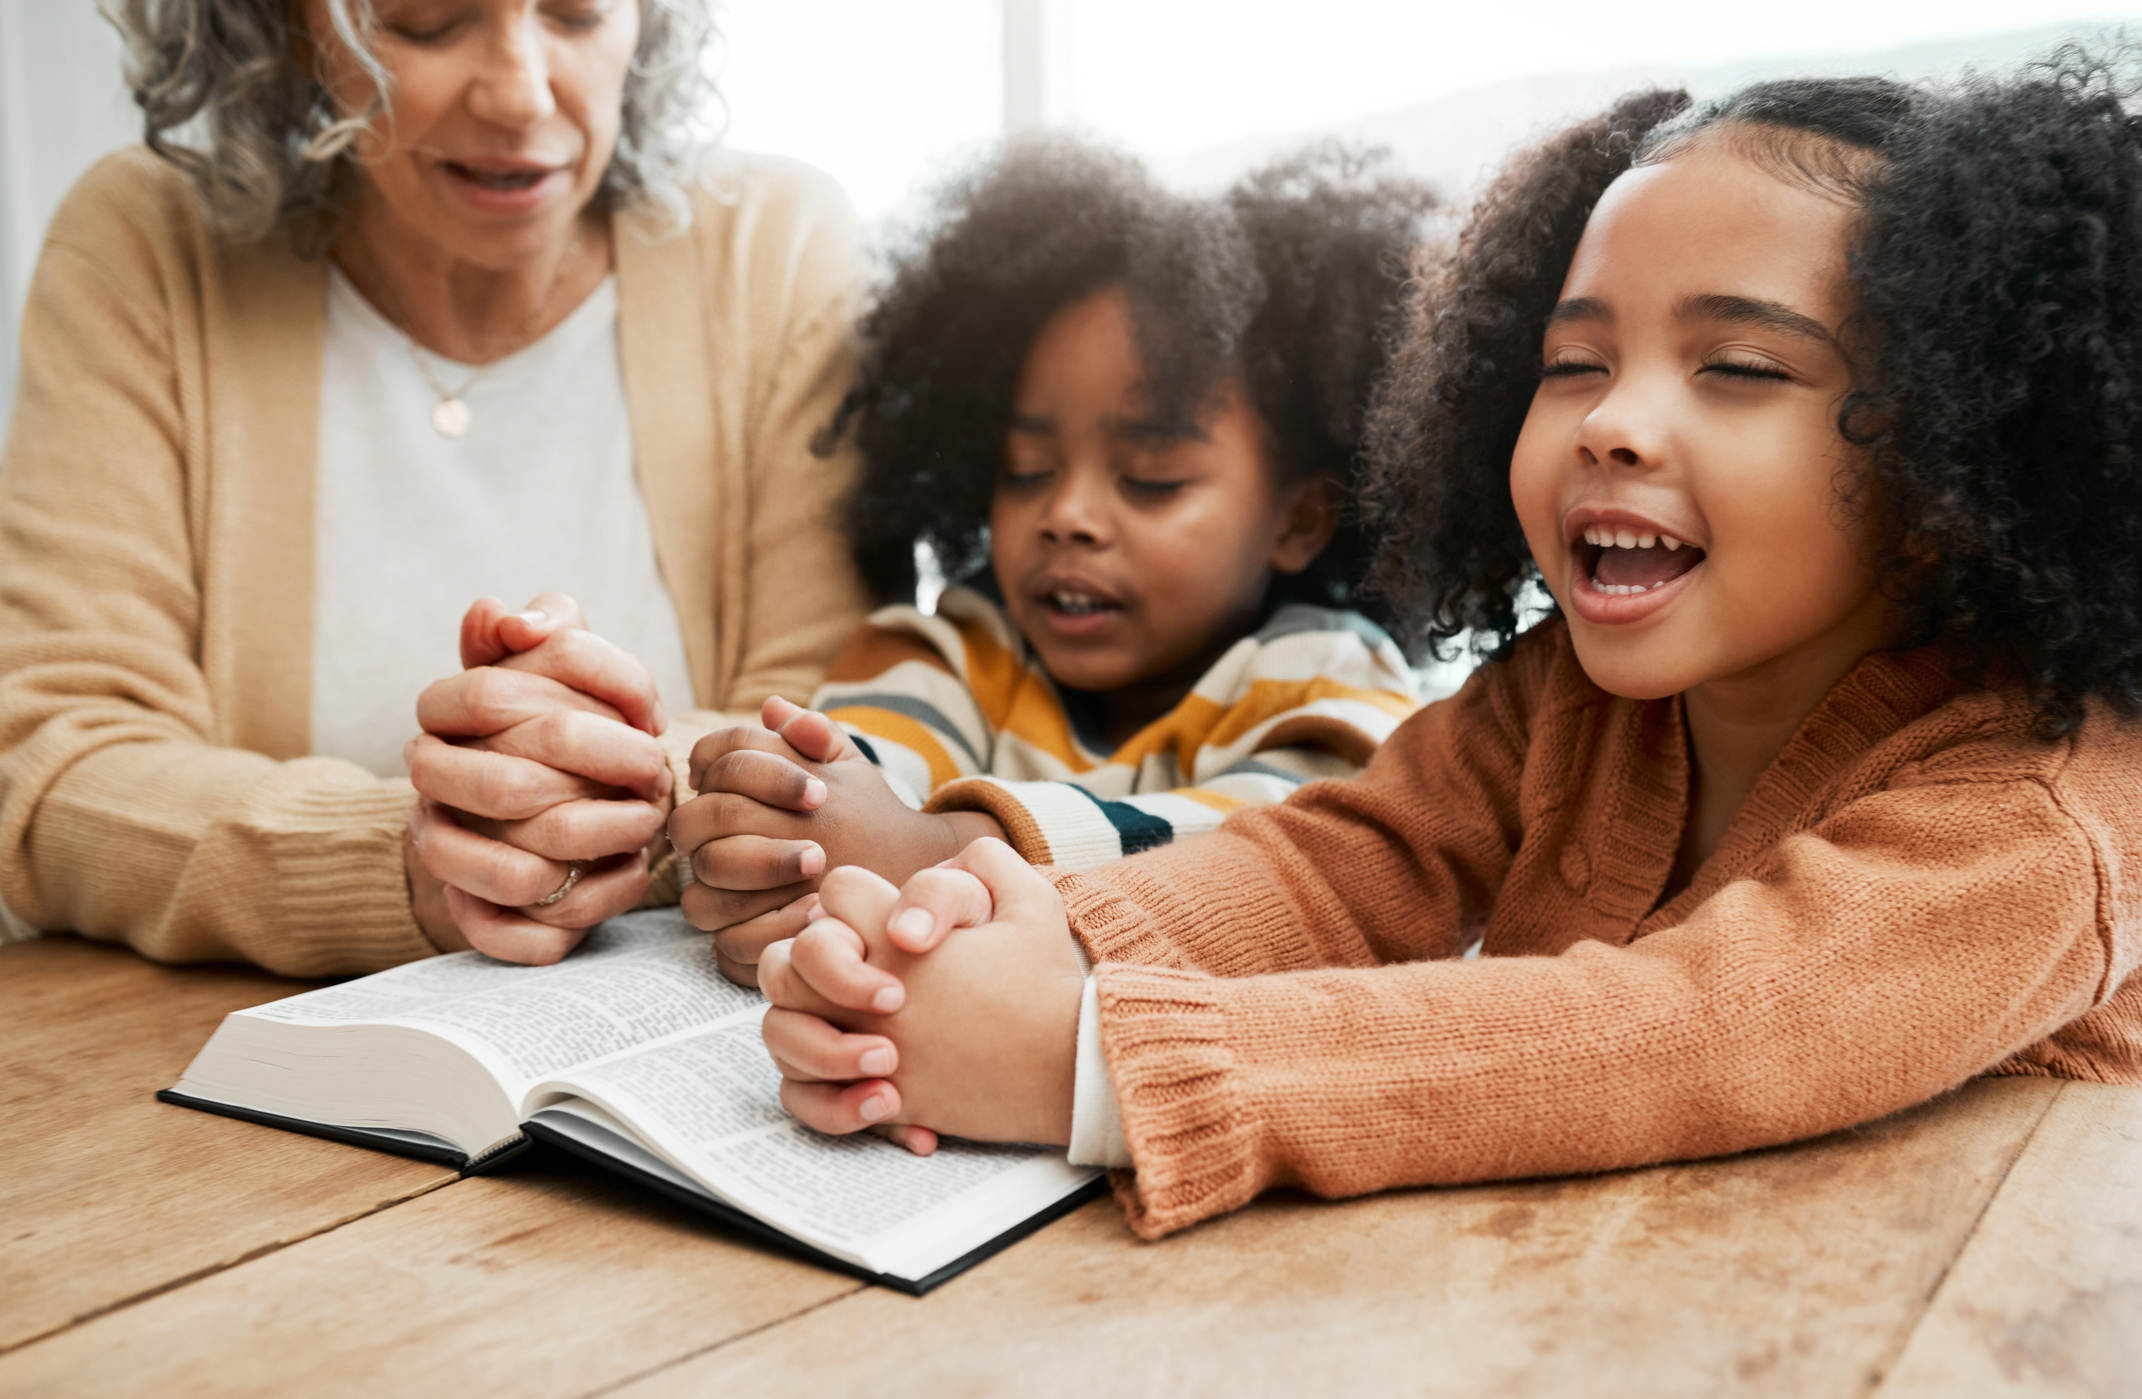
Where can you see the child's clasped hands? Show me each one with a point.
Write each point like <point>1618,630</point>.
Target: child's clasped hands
<point>779,806</point>
<point>879,1021</point>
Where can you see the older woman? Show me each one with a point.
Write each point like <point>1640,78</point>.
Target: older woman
<point>439,304</point>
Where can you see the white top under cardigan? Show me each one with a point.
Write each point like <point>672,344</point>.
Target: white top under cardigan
<point>538,496</point>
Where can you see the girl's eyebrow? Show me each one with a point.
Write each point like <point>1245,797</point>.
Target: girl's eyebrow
<point>1033,424</point>
<point>1764,315</point>
<point>1580,308</point>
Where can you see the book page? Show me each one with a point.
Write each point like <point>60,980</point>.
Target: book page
<point>634,980</point>
<point>710,1103</point>
<point>413,985</point>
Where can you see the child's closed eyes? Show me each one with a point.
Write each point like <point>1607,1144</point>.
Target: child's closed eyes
<point>1132,551</point>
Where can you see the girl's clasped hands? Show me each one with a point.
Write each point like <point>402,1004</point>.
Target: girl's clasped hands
<point>964,984</point>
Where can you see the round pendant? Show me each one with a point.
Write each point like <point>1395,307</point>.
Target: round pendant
<point>451,417</point>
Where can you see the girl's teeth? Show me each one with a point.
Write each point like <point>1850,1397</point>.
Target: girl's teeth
<point>1599,536</point>
<point>1624,589</point>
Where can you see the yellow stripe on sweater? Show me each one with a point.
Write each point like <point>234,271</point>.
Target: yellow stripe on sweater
<point>1199,722</point>
<point>1218,801</point>
<point>1267,699</point>
<point>906,732</point>
<point>1015,700</point>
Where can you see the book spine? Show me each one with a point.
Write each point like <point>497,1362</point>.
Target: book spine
<point>511,1146</point>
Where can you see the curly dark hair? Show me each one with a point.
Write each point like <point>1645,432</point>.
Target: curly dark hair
<point>1997,272</point>
<point>1292,280</point>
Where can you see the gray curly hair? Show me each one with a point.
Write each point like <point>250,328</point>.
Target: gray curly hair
<point>273,154</point>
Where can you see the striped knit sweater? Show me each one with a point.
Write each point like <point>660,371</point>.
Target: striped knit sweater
<point>960,716</point>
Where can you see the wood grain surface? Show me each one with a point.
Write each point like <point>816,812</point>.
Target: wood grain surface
<point>2046,1299</point>
<point>1988,1243</point>
<point>559,1281</point>
<point>1796,1272</point>
<point>107,1194</point>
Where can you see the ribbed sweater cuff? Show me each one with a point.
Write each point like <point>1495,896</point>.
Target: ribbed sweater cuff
<point>993,798</point>
<point>1192,1141</point>
<point>1112,927</point>
<point>340,895</point>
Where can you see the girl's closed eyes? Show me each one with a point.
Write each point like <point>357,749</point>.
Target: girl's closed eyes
<point>1743,369</point>
<point>1140,551</point>
<point>1738,369</point>
<point>1725,368</point>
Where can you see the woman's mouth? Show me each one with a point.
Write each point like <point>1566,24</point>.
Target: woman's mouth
<point>502,188</point>
<point>495,179</point>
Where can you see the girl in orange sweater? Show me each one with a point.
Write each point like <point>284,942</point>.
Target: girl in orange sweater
<point>1815,797</point>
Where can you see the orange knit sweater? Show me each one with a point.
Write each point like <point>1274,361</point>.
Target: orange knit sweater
<point>1917,891</point>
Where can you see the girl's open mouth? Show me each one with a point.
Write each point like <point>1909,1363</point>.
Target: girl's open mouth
<point>1619,570</point>
<point>1622,563</point>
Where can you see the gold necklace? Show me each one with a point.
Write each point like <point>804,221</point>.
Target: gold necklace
<point>450,416</point>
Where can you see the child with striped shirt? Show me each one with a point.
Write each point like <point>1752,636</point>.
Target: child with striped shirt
<point>1127,422</point>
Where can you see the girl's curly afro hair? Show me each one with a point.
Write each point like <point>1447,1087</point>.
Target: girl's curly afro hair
<point>1293,281</point>
<point>1997,334</point>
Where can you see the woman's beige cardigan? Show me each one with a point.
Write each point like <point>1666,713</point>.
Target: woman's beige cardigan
<point>157,567</point>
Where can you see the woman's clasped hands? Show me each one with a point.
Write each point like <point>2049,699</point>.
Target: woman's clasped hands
<point>538,769</point>
<point>950,1005</point>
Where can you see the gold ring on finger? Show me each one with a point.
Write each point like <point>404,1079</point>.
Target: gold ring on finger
<point>573,870</point>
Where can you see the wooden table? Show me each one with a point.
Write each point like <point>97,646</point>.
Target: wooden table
<point>1987,1244</point>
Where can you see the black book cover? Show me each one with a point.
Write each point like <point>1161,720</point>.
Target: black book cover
<point>727,1214</point>
<point>789,1244</point>
<point>355,1136</point>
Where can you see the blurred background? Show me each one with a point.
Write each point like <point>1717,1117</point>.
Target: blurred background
<point>891,96</point>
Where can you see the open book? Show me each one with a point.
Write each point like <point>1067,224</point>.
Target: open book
<point>636,1054</point>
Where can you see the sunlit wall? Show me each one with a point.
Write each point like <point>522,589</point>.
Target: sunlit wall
<point>892,95</point>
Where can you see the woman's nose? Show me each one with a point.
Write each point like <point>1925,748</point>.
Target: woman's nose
<point>512,85</point>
